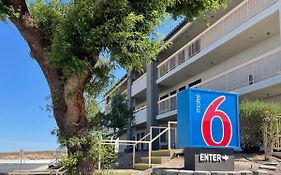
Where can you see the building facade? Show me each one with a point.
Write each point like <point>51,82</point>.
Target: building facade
<point>239,51</point>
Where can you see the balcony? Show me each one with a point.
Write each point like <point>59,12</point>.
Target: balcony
<point>264,68</point>
<point>167,104</point>
<point>139,85</point>
<point>227,24</point>
<point>261,68</point>
<point>140,115</point>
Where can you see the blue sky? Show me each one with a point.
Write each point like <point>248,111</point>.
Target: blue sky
<point>23,91</point>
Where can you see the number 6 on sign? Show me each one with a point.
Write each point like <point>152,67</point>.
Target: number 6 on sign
<point>206,126</point>
<point>208,119</point>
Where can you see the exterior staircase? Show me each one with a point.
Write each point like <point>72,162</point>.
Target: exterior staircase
<point>157,157</point>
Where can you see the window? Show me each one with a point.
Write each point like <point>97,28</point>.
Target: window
<point>173,93</point>
<point>164,96</point>
<point>194,83</point>
<point>251,79</point>
<point>181,88</point>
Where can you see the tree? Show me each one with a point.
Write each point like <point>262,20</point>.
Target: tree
<point>117,118</point>
<point>70,39</point>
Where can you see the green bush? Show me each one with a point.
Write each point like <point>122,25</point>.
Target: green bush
<point>258,123</point>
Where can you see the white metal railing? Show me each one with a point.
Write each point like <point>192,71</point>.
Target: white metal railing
<point>139,79</point>
<point>124,142</point>
<point>153,139</point>
<point>60,152</point>
<point>60,171</point>
<point>233,19</point>
<point>167,104</point>
<point>140,115</point>
<point>143,140</point>
<point>139,85</point>
<point>263,67</point>
<point>125,92</point>
<point>139,109</point>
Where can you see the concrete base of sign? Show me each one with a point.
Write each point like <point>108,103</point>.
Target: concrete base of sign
<point>208,159</point>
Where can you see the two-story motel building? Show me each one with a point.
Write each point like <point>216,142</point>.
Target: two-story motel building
<point>239,51</point>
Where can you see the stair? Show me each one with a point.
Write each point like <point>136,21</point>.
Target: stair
<point>157,157</point>
<point>142,166</point>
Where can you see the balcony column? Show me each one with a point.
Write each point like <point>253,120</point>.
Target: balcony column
<point>151,97</point>
<point>130,103</point>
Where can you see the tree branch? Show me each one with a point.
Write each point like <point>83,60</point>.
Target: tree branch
<point>31,34</point>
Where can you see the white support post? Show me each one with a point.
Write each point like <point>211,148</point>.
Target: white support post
<point>149,154</point>
<point>134,155</point>
<point>169,136</point>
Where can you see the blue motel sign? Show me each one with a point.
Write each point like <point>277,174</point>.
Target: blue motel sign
<point>208,119</point>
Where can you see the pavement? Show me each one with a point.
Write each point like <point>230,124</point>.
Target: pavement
<point>44,161</point>
<point>7,166</point>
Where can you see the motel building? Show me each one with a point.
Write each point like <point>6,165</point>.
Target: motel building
<point>240,51</point>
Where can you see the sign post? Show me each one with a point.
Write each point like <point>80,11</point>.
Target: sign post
<point>208,129</point>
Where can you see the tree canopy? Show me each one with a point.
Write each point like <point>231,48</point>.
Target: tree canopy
<point>118,116</point>
<point>80,35</point>
<point>78,42</point>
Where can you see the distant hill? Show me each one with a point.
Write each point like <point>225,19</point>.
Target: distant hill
<point>29,155</point>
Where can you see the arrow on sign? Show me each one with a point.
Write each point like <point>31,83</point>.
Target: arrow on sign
<point>225,157</point>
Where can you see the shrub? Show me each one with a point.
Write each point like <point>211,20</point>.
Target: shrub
<point>258,124</point>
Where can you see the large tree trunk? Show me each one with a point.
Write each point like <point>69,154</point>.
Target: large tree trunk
<point>85,167</point>
<point>74,122</point>
<point>67,97</point>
